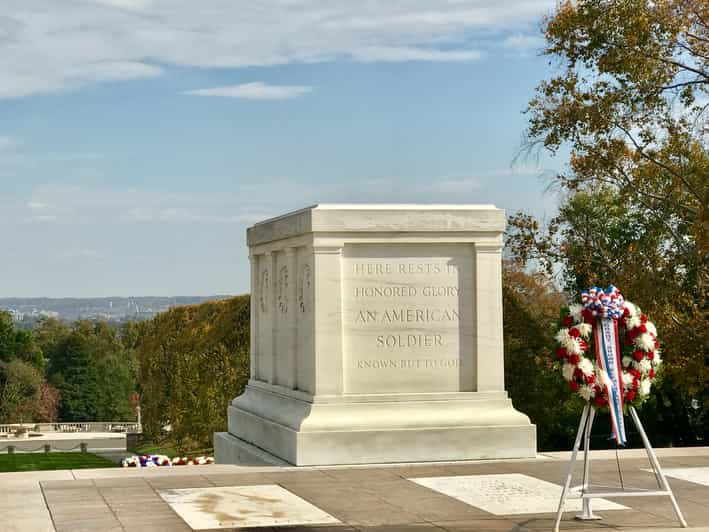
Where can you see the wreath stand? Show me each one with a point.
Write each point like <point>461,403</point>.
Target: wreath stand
<point>587,493</point>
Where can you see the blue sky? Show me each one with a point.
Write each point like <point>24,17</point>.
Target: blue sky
<point>139,138</point>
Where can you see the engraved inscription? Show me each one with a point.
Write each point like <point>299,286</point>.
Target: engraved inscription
<point>407,317</point>
<point>263,292</point>
<point>304,288</point>
<point>283,289</point>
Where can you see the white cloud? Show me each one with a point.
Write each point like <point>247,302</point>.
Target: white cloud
<point>186,215</point>
<point>254,91</point>
<point>48,46</point>
<point>398,54</point>
<point>67,204</point>
<point>523,43</point>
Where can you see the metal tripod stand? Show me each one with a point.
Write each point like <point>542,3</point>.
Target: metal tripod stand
<point>587,493</point>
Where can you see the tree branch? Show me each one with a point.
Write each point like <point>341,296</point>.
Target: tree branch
<point>641,151</point>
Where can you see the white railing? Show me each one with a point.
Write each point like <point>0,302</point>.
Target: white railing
<point>128,427</point>
<point>14,427</point>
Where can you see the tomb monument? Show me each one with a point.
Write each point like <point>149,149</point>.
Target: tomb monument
<point>376,337</point>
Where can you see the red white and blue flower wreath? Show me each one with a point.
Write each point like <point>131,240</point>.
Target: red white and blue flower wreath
<point>608,353</point>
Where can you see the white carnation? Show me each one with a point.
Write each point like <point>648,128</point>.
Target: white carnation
<point>632,321</point>
<point>586,366</point>
<point>631,308</point>
<point>587,391</point>
<point>628,380</point>
<point>585,329</point>
<point>644,366</point>
<point>575,312</point>
<point>651,328</point>
<point>573,346</point>
<point>645,386</point>
<point>645,342</point>
<point>658,359</point>
<point>568,371</point>
<point>562,336</point>
<point>627,361</point>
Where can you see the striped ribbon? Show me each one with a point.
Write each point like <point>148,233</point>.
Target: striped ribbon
<point>608,358</point>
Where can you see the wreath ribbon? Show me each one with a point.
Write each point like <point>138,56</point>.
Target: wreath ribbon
<point>605,332</point>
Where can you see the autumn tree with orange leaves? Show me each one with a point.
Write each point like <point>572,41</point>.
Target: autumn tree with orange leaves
<point>629,101</point>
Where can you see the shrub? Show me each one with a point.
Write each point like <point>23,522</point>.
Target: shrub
<point>192,361</point>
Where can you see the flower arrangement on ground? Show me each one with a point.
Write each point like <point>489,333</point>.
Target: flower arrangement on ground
<point>160,460</point>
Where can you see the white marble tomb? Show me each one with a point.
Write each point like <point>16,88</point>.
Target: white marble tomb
<point>376,336</point>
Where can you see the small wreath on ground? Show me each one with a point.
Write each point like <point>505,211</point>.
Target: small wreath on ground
<point>160,460</point>
<point>580,339</point>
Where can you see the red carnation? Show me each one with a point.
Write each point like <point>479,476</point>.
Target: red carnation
<point>583,345</point>
<point>632,333</point>
<point>628,340</point>
<point>634,372</point>
<point>630,395</point>
<point>600,400</point>
<point>643,318</point>
<point>651,355</point>
<point>587,316</point>
<point>574,332</point>
<point>657,344</point>
<point>590,379</point>
<point>651,373</point>
<point>578,373</point>
<point>561,352</point>
<point>636,384</point>
<point>626,312</point>
<point>567,321</point>
<point>574,359</point>
<point>597,390</point>
<point>642,328</point>
<point>638,355</point>
<point>574,386</point>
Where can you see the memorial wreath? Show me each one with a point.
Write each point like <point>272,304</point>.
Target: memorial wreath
<point>608,353</point>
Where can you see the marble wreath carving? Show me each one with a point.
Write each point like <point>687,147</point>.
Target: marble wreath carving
<point>608,353</point>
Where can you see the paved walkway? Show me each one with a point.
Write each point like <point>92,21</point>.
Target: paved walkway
<point>471,496</point>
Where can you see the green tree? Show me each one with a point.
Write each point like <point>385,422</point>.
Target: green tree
<point>92,368</point>
<point>18,344</point>
<point>629,103</point>
<point>74,375</point>
<point>20,391</point>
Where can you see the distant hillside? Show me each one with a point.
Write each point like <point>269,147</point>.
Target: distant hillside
<point>28,310</point>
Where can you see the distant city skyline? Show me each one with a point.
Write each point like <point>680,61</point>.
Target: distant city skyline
<point>139,138</point>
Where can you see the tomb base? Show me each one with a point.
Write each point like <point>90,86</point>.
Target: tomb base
<point>379,428</point>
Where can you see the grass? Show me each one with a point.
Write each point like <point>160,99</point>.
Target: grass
<point>51,461</point>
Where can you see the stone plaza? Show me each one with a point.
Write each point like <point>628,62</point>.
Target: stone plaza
<point>485,496</point>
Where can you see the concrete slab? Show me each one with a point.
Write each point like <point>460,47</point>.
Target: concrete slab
<point>243,506</point>
<point>508,494</point>
<point>698,475</point>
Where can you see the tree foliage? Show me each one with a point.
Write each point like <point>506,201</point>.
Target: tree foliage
<point>629,103</point>
<point>192,361</point>
<point>531,307</point>
<point>24,394</point>
<point>92,369</point>
<point>18,344</point>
